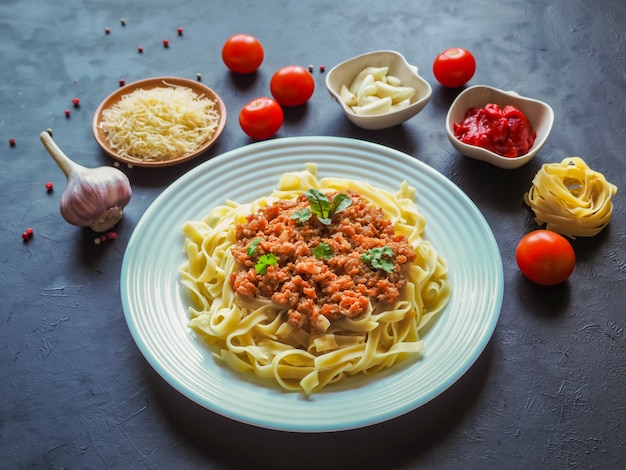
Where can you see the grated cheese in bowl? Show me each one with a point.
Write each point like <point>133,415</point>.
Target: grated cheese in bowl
<point>159,124</point>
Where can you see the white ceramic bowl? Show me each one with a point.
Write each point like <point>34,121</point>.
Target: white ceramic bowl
<point>345,72</point>
<point>539,114</point>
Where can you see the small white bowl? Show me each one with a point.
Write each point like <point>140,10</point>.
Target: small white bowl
<point>345,72</point>
<point>539,114</point>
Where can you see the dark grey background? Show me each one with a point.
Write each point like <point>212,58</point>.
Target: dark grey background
<point>75,392</point>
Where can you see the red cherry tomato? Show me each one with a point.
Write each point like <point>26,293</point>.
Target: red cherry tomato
<point>545,257</point>
<point>292,85</point>
<point>242,53</point>
<point>454,67</point>
<point>261,118</point>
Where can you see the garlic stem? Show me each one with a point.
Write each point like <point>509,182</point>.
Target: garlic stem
<point>65,163</point>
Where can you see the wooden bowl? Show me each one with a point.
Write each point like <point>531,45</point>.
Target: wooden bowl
<point>148,84</point>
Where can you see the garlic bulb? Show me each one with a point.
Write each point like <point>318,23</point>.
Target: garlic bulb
<point>93,197</point>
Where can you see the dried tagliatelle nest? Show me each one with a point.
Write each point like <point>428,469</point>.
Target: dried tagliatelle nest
<point>571,198</point>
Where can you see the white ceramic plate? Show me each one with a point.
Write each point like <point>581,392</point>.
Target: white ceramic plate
<point>156,310</point>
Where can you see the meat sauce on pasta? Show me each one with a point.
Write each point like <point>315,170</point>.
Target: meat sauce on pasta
<point>311,286</point>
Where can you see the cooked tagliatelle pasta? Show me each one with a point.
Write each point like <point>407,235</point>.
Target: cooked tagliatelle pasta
<point>571,198</point>
<point>268,334</point>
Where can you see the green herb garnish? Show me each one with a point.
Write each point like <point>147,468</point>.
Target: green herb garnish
<point>251,249</point>
<point>323,208</point>
<point>266,260</point>
<point>379,258</point>
<point>323,251</point>
<point>302,215</point>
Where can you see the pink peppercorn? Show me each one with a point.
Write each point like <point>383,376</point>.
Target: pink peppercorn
<point>140,49</point>
<point>112,235</point>
<point>180,31</point>
<point>107,30</point>
<point>322,68</point>
<point>67,113</point>
<point>122,82</point>
<point>12,142</point>
<point>76,102</point>
<point>49,186</point>
<point>166,43</point>
<point>28,234</point>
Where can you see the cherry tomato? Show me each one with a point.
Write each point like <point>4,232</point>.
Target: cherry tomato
<point>242,53</point>
<point>261,118</point>
<point>454,67</point>
<point>545,257</point>
<point>292,85</point>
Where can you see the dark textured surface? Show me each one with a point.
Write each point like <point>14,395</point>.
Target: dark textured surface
<point>75,392</point>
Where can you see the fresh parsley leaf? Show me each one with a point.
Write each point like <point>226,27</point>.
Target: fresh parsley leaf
<point>379,258</point>
<point>302,215</point>
<point>322,207</point>
<point>340,202</point>
<point>251,249</point>
<point>266,260</point>
<point>323,251</point>
<point>384,264</point>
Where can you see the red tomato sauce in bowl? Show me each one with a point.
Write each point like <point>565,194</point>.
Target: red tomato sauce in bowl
<point>505,131</point>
